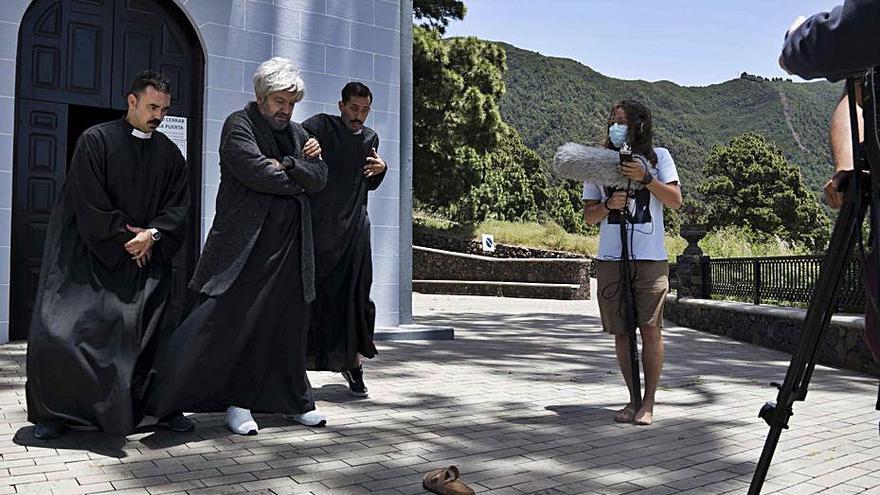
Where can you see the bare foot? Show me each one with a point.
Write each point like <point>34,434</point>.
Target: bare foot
<point>645,416</point>
<point>625,415</point>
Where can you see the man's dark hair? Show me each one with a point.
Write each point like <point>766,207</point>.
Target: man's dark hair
<point>152,78</point>
<point>640,128</point>
<point>356,89</point>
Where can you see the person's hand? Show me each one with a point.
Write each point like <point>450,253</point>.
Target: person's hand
<point>375,164</point>
<point>632,170</point>
<point>143,259</point>
<point>312,149</point>
<point>833,197</point>
<point>141,246</point>
<point>617,201</point>
<point>277,164</point>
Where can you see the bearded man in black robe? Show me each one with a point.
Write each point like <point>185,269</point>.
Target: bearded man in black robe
<point>243,348</point>
<point>106,273</point>
<point>343,316</point>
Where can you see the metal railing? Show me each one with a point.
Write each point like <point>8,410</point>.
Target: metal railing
<point>782,280</point>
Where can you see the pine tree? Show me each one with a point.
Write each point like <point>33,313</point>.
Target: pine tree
<point>749,182</point>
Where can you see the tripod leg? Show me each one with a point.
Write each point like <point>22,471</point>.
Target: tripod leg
<point>822,305</point>
<point>872,282</point>
<point>872,286</point>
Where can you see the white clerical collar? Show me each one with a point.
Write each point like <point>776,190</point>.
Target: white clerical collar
<point>141,134</point>
<point>358,132</point>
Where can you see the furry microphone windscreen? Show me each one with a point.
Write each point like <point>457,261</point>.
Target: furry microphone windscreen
<point>591,164</point>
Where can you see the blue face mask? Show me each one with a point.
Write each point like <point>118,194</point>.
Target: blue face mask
<point>617,134</point>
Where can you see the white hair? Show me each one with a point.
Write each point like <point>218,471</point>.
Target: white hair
<point>278,74</point>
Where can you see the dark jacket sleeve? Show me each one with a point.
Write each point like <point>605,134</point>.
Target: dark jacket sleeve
<point>100,225</point>
<point>316,127</point>
<point>835,44</point>
<point>376,180</point>
<point>173,217</point>
<point>310,174</point>
<point>241,156</point>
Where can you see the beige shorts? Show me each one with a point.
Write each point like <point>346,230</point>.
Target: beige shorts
<point>651,283</point>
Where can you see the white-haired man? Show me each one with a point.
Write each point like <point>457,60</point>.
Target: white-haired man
<point>243,348</point>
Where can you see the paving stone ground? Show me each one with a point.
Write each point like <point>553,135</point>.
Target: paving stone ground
<point>521,400</point>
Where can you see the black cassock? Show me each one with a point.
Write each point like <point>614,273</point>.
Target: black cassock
<point>97,315</point>
<point>343,316</point>
<point>245,346</point>
<point>242,347</point>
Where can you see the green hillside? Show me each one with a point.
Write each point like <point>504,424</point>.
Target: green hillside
<point>552,100</point>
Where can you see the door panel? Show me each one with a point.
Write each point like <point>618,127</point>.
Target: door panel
<point>64,47</point>
<point>40,161</point>
<point>144,38</point>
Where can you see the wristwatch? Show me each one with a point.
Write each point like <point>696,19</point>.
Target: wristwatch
<point>155,234</point>
<point>647,178</point>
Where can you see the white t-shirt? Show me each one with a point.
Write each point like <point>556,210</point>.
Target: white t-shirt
<point>646,233</point>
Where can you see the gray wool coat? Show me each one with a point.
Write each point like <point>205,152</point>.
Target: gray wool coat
<point>248,181</point>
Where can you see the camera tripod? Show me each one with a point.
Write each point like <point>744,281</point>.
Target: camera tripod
<point>862,192</point>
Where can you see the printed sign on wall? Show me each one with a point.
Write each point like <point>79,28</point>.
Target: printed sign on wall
<point>175,129</point>
<point>488,243</point>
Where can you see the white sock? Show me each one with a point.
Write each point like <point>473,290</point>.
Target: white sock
<point>311,418</point>
<point>240,421</point>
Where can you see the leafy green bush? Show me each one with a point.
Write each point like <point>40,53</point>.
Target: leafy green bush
<point>751,183</point>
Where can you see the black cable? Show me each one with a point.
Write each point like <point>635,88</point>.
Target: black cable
<point>611,290</point>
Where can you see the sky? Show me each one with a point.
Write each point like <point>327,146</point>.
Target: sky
<point>689,42</point>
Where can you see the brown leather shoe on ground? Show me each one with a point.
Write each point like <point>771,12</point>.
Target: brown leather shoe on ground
<point>445,482</point>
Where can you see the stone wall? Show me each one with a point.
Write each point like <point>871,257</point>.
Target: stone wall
<point>775,327</point>
<point>435,264</point>
<point>469,246</point>
<point>562,292</point>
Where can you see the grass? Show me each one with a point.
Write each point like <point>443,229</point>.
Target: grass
<point>538,235</point>
<point>730,242</point>
<point>548,235</point>
<point>737,242</point>
<point>734,242</point>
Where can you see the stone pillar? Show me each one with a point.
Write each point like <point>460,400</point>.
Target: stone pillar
<point>692,266</point>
